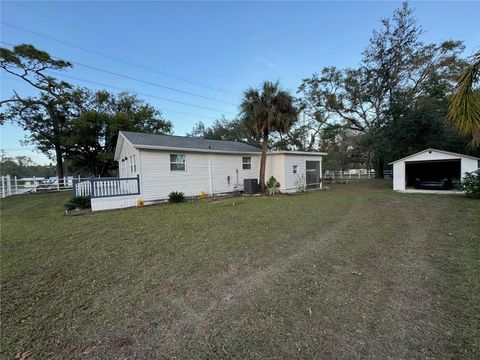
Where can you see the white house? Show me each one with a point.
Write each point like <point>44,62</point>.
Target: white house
<point>431,169</point>
<point>152,166</point>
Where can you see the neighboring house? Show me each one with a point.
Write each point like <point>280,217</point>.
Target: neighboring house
<point>165,163</point>
<point>432,169</point>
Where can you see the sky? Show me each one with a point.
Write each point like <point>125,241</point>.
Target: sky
<point>193,60</point>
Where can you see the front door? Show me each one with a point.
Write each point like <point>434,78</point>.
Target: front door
<point>313,174</point>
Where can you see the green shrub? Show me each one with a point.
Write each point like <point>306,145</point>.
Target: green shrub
<point>273,186</point>
<point>471,184</point>
<point>78,202</point>
<point>300,184</point>
<point>176,197</point>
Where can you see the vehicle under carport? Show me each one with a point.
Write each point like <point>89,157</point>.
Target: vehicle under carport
<point>431,169</point>
<point>436,174</point>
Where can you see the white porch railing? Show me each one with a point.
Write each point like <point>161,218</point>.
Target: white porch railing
<point>107,187</point>
<point>82,188</point>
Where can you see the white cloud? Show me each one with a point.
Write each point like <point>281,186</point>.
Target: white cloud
<point>267,63</point>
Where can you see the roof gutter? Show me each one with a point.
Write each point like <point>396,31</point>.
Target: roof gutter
<point>307,153</point>
<point>184,149</point>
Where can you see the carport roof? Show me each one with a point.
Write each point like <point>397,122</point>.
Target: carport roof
<point>436,150</point>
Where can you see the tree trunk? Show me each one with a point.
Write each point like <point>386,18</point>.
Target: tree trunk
<point>59,161</point>
<point>263,161</point>
<point>379,169</point>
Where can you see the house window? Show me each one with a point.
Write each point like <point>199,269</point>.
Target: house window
<point>133,164</point>
<point>295,169</point>
<point>246,163</point>
<point>177,162</point>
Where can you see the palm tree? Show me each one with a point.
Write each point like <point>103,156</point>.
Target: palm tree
<point>265,111</point>
<point>464,108</point>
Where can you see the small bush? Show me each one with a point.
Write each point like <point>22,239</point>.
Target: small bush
<point>78,203</point>
<point>273,186</point>
<point>471,184</point>
<point>176,197</point>
<point>300,184</point>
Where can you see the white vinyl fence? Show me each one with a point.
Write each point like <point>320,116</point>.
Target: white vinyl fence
<point>354,174</point>
<point>17,186</point>
<point>6,186</point>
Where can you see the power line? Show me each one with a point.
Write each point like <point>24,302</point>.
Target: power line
<point>133,78</point>
<point>151,96</point>
<point>149,82</point>
<point>139,93</point>
<point>140,80</point>
<point>143,94</point>
<point>117,59</point>
<point>122,41</point>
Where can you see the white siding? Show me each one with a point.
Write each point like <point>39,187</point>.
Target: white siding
<point>276,167</point>
<point>226,165</point>
<point>212,173</point>
<point>432,155</point>
<point>291,179</point>
<point>399,176</point>
<point>114,202</point>
<point>127,151</point>
<point>204,172</point>
<point>281,167</point>
<point>469,165</point>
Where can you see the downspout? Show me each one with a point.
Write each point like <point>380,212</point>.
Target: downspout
<point>139,172</point>
<point>321,172</point>
<point>210,168</point>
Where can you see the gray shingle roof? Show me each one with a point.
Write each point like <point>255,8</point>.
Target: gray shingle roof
<point>172,141</point>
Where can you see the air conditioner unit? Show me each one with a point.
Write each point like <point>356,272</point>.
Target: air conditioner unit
<point>250,186</point>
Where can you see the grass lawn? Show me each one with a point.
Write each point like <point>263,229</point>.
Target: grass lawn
<point>355,272</point>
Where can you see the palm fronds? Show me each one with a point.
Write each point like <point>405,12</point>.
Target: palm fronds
<point>464,108</point>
